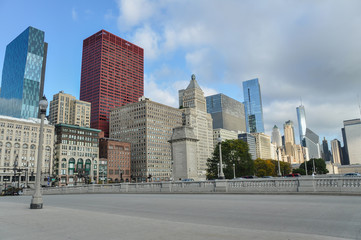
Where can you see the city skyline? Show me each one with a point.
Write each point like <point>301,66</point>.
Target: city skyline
<point>180,39</point>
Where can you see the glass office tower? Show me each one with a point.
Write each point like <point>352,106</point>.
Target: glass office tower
<point>23,75</point>
<point>301,117</point>
<point>253,106</point>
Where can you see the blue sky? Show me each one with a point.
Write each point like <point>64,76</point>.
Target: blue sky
<point>308,49</point>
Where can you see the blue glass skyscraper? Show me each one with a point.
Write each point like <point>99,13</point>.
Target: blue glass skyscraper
<point>23,75</point>
<point>253,106</point>
<point>301,116</point>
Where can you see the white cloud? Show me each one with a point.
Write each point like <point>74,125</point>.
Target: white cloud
<point>149,40</point>
<point>133,12</point>
<point>74,14</point>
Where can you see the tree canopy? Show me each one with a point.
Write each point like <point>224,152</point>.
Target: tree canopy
<point>320,166</point>
<point>233,152</point>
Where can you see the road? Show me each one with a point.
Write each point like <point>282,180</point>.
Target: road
<point>181,216</point>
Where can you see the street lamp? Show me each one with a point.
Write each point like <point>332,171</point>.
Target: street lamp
<point>314,168</point>
<point>279,174</point>
<point>234,171</point>
<point>37,200</point>
<point>221,174</point>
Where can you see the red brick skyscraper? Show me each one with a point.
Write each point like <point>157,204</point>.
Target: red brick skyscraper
<point>112,75</point>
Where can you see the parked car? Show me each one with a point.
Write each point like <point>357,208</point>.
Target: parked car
<point>188,180</point>
<point>352,175</point>
<point>267,177</point>
<point>293,175</point>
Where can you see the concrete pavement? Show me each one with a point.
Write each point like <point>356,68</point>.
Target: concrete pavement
<point>181,216</point>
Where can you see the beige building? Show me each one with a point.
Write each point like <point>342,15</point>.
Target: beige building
<point>148,126</point>
<point>195,115</point>
<point>19,145</point>
<point>65,108</point>
<point>263,145</point>
<point>336,151</point>
<point>224,134</point>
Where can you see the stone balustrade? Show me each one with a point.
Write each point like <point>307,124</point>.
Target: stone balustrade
<point>340,185</point>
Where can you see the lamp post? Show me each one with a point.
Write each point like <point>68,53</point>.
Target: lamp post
<point>15,169</point>
<point>314,168</point>
<point>37,200</point>
<point>234,171</point>
<point>279,174</point>
<point>221,174</point>
<point>304,157</point>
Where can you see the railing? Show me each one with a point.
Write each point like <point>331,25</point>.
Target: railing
<point>351,185</point>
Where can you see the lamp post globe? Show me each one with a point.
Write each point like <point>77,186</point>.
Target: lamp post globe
<point>37,199</point>
<point>221,174</point>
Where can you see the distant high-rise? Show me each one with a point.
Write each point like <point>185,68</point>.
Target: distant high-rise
<point>276,136</point>
<point>65,108</point>
<point>301,117</point>
<point>336,151</point>
<point>253,106</point>
<point>23,75</point>
<point>312,142</point>
<point>251,141</point>
<point>325,151</point>
<point>352,132</point>
<point>226,112</point>
<point>289,138</point>
<point>112,75</point>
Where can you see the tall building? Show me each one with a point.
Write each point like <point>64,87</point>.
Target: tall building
<point>263,145</point>
<point>336,151</point>
<point>251,141</point>
<point>112,75</point>
<point>19,145</point>
<point>224,134</point>
<point>289,134</point>
<point>23,75</point>
<point>325,151</point>
<point>352,132</point>
<point>117,155</point>
<point>147,126</point>
<point>195,115</point>
<point>64,108</point>
<point>301,117</point>
<point>312,142</point>
<point>253,106</point>
<point>276,136</point>
<point>227,113</point>
<point>76,157</point>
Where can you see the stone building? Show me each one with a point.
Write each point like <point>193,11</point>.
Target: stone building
<point>224,134</point>
<point>19,145</point>
<point>195,115</point>
<point>117,155</point>
<point>263,145</point>
<point>65,108</point>
<point>147,126</point>
<point>76,154</point>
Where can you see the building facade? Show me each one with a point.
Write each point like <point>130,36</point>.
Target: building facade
<point>326,155</point>
<point>19,145</point>
<point>76,159</point>
<point>117,155</point>
<point>147,126</point>
<point>312,142</point>
<point>224,134</point>
<point>336,151</point>
<point>352,129</point>
<point>112,75</point>
<point>251,141</point>
<point>195,115</point>
<point>227,113</point>
<point>276,137</point>
<point>23,75</point>
<point>263,145</point>
<point>253,106</point>
<point>65,108</point>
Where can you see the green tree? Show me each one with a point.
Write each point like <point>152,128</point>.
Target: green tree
<point>264,168</point>
<point>320,166</point>
<point>233,152</point>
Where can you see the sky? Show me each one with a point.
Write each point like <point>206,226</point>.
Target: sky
<point>305,50</point>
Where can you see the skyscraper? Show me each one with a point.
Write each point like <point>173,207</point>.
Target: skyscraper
<point>251,141</point>
<point>312,142</point>
<point>325,151</point>
<point>336,151</point>
<point>112,75</point>
<point>352,132</point>
<point>226,112</point>
<point>276,136</point>
<point>301,117</point>
<point>23,74</point>
<point>289,138</point>
<point>253,106</point>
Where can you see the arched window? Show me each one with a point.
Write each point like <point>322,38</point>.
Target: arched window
<point>16,145</point>
<point>79,165</point>
<point>32,146</point>
<point>87,166</point>
<point>71,166</point>
<point>25,146</point>
<point>63,163</point>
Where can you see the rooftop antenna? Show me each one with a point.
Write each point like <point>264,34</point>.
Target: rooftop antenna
<point>301,100</point>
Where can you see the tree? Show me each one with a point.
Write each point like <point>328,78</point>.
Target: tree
<point>320,166</point>
<point>264,168</point>
<point>233,152</point>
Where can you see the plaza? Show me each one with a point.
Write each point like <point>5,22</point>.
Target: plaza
<point>181,216</point>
